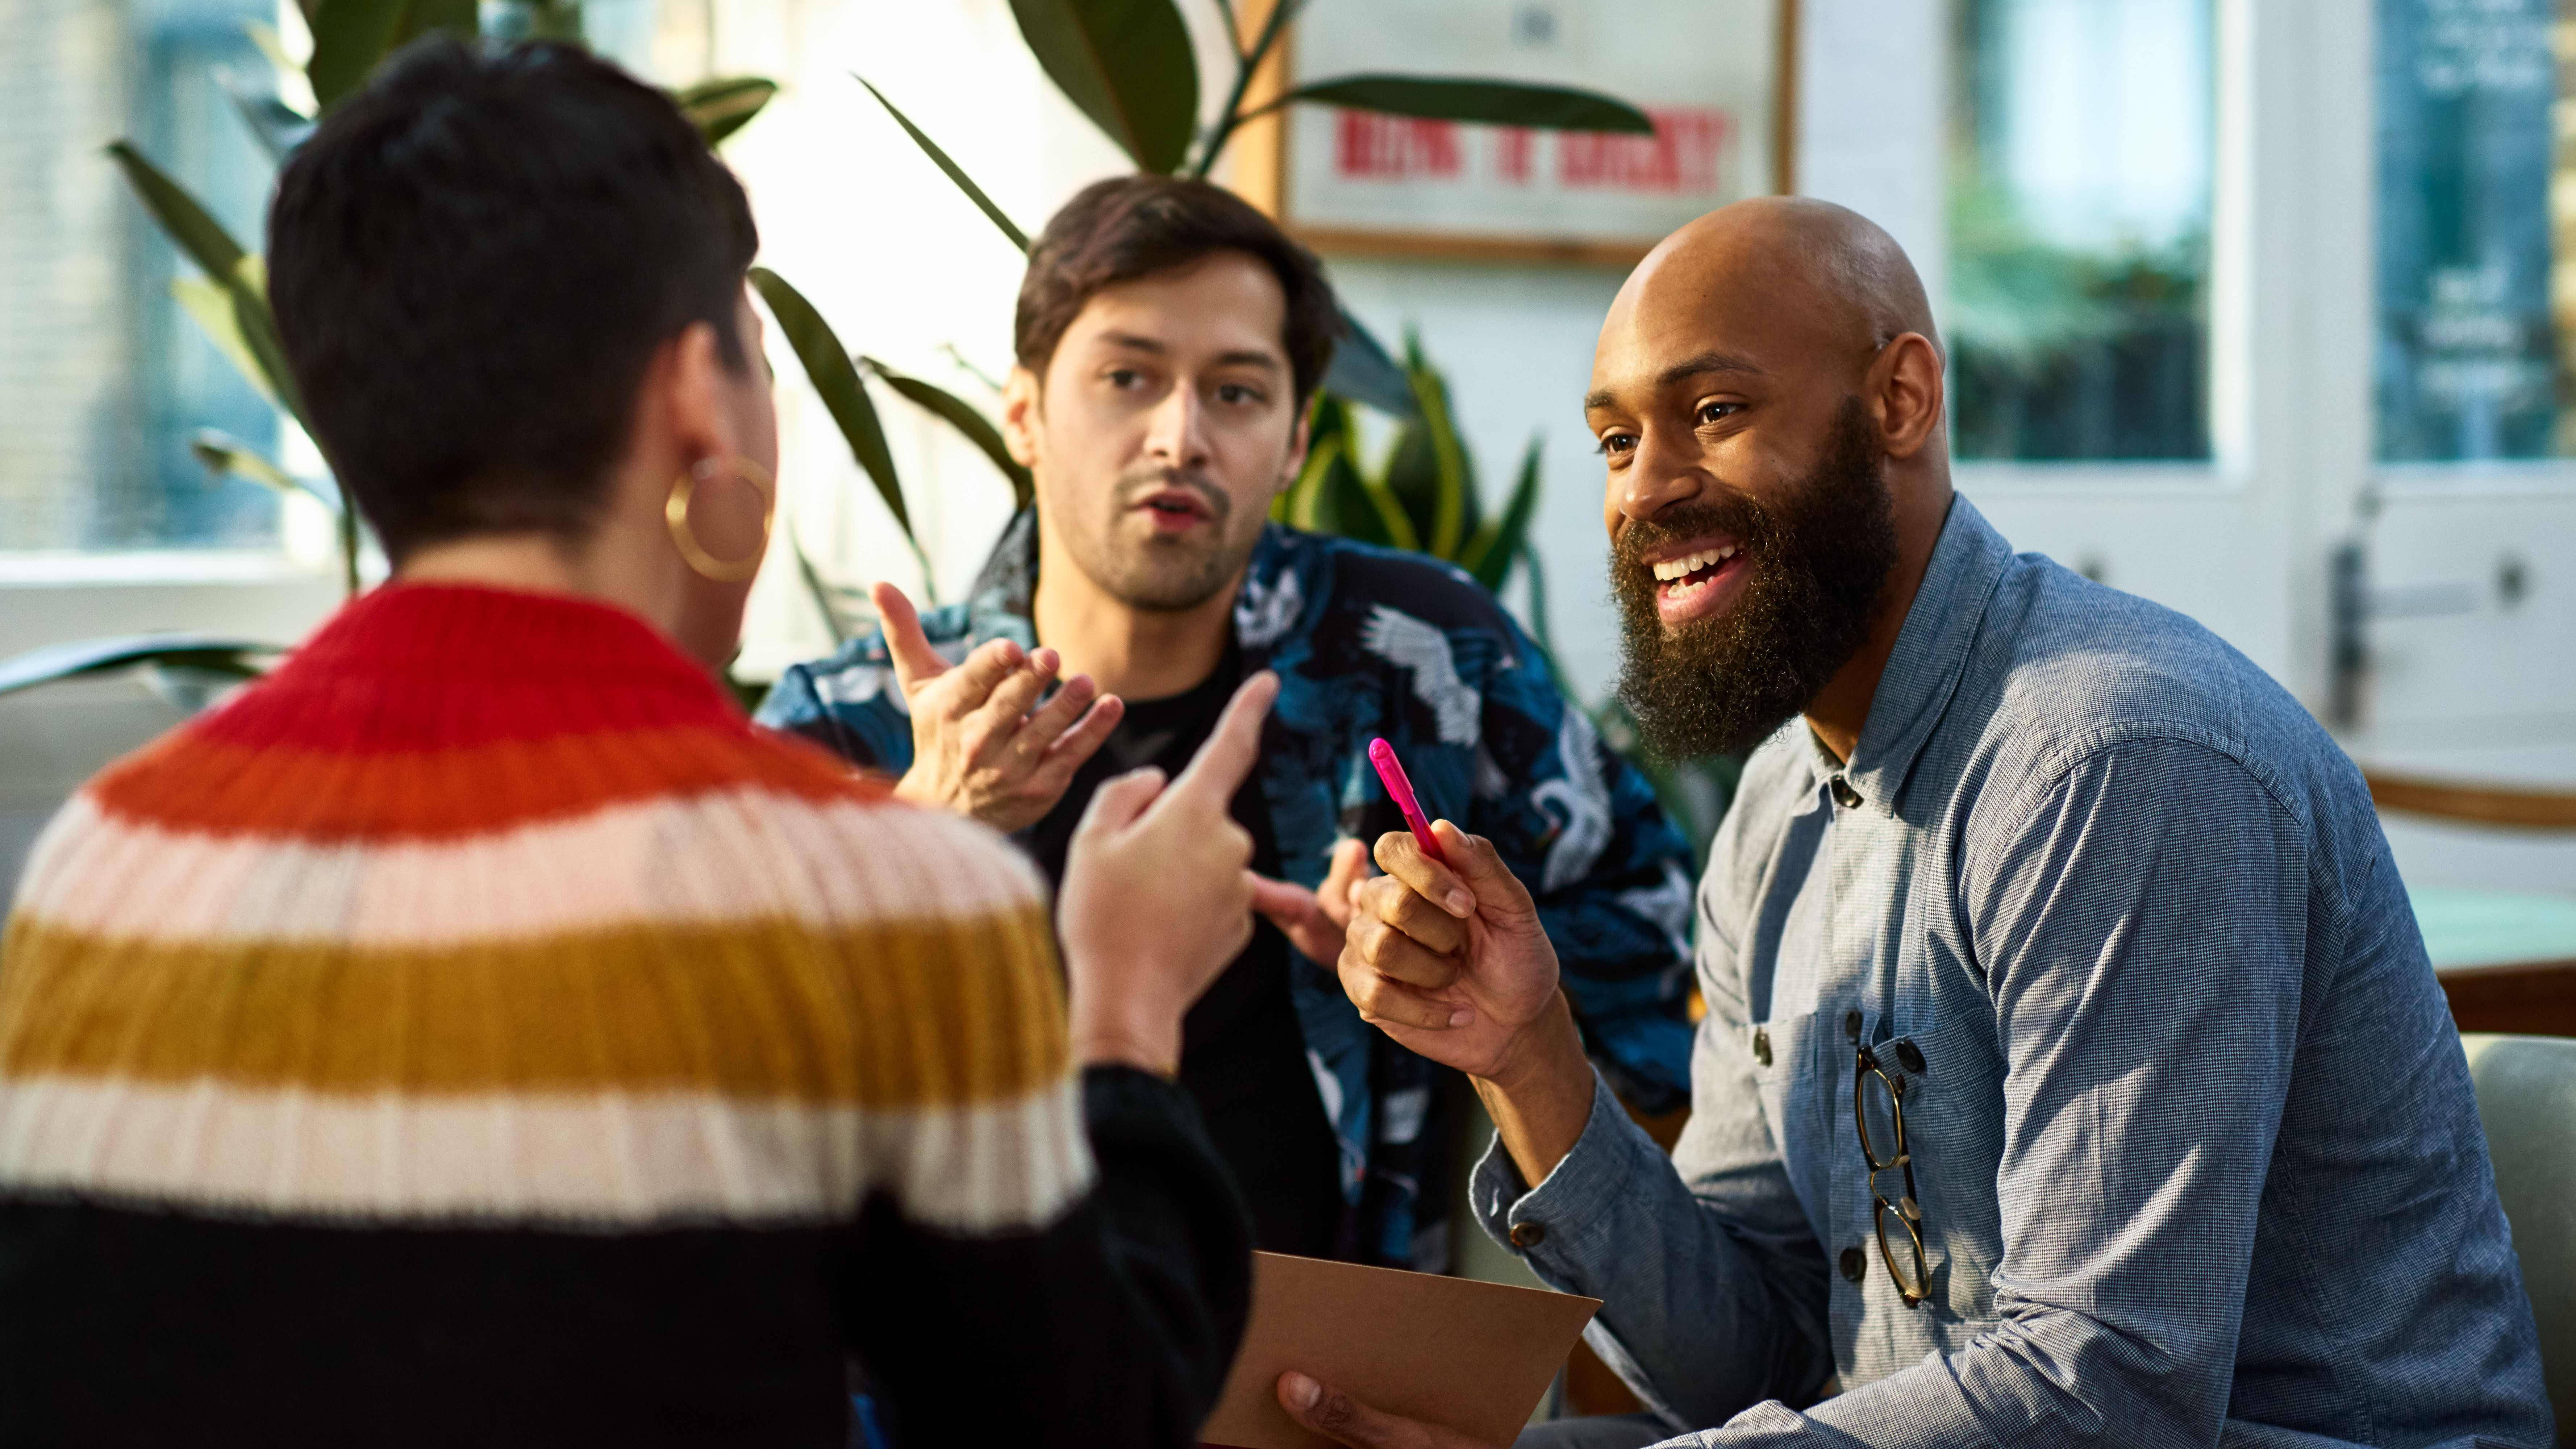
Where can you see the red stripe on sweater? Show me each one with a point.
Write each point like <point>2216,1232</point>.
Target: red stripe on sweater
<point>431,710</point>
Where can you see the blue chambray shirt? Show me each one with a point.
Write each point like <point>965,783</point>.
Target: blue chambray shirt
<point>1374,642</point>
<point>2193,1137</point>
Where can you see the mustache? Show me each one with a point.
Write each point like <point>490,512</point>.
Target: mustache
<point>1740,518</point>
<point>1136,487</point>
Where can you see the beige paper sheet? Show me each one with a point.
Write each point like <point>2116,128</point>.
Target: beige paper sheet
<point>1472,1356</point>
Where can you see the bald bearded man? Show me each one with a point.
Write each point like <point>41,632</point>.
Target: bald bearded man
<point>2072,1073</point>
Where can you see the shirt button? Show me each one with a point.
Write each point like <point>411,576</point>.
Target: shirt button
<point>1844,794</point>
<point>1762,1046</point>
<point>1851,1023</point>
<point>1528,1235</point>
<point>1855,1263</point>
<point>1911,1055</point>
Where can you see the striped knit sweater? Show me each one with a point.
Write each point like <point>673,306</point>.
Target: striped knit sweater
<point>476,1032</point>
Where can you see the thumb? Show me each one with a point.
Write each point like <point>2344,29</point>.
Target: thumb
<point>1350,866</point>
<point>914,659</point>
<point>1345,1420</point>
<point>1118,801</point>
<point>1299,916</point>
<point>1500,896</point>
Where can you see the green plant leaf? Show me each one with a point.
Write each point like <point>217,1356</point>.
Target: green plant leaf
<point>1362,371</point>
<point>187,223</point>
<point>211,306</point>
<point>1127,64</point>
<point>836,378</point>
<point>249,287</point>
<point>460,18</point>
<point>963,416</point>
<point>1478,102</point>
<point>1428,473</point>
<point>1489,554</point>
<point>272,45</point>
<point>718,108</point>
<point>349,37</point>
<point>221,453</point>
<point>352,37</point>
<point>956,173</point>
<point>277,126</point>
<point>217,652</point>
<point>1454,500</point>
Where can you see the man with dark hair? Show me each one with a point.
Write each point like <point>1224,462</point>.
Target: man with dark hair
<point>1169,338</point>
<point>2072,1073</point>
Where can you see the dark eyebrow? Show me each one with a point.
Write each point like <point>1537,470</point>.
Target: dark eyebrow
<point>1133,342</point>
<point>1684,371</point>
<point>1246,357</point>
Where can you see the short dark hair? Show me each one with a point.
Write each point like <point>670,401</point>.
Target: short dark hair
<point>1134,226</point>
<point>472,262</point>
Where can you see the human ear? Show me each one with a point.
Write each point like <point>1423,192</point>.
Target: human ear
<point>1023,414</point>
<point>1298,437</point>
<point>1905,391</point>
<point>693,396</point>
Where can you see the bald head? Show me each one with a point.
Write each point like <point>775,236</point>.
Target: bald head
<point>1798,274</point>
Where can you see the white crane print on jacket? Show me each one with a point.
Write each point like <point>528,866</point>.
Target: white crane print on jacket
<point>1410,643</point>
<point>1580,801</point>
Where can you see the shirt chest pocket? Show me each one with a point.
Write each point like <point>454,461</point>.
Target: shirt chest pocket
<point>1952,1101</point>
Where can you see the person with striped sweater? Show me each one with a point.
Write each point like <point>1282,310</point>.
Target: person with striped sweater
<point>477,1032</point>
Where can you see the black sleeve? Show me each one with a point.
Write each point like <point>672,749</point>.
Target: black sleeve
<point>1114,1325</point>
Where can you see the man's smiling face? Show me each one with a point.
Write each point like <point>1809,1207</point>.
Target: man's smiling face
<point>1166,424</point>
<point>1749,519</point>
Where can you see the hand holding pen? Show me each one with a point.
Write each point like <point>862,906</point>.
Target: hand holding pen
<point>1445,952</point>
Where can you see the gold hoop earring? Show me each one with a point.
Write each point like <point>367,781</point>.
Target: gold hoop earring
<point>675,512</point>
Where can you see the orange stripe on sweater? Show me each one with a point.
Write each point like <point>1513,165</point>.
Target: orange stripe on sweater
<point>897,1014</point>
<point>188,781</point>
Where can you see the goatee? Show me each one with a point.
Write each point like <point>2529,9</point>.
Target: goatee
<point>1818,560</point>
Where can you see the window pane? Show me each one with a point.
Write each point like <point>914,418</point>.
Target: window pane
<point>2468,359</point>
<point>2079,229</point>
<point>102,378</point>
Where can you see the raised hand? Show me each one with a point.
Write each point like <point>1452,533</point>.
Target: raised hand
<point>1157,895</point>
<point>1313,921</point>
<point>1449,960</point>
<point>978,748</point>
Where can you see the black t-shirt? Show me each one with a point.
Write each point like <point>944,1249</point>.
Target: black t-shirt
<point>1242,1054</point>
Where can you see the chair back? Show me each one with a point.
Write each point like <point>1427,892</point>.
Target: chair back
<point>2527,1101</point>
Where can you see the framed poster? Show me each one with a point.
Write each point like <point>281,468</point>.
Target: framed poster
<point>1711,73</point>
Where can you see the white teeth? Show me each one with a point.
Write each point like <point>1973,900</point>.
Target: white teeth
<point>1674,568</point>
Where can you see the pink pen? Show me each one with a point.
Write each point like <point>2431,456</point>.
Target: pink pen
<point>1390,770</point>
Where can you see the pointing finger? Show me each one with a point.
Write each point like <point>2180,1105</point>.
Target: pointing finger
<point>914,660</point>
<point>1221,763</point>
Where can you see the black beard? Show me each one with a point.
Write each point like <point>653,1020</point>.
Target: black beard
<point>1819,561</point>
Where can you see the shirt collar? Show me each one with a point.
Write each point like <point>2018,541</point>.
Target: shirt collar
<point>1930,656</point>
